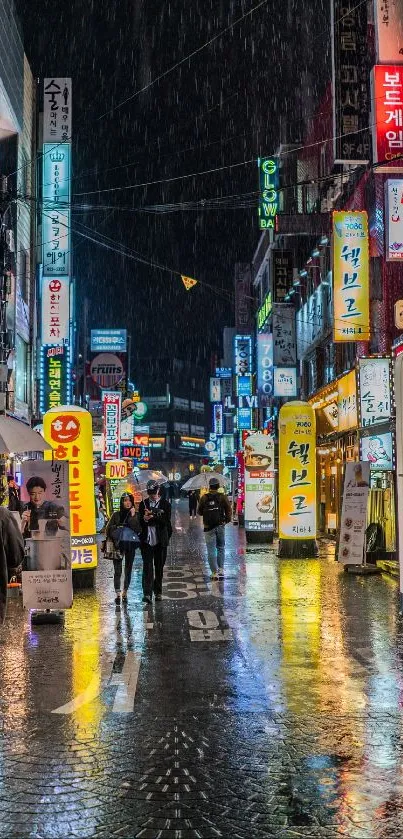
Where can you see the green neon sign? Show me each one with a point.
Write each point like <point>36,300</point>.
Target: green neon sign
<point>268,186</point>
<point>265,311</point>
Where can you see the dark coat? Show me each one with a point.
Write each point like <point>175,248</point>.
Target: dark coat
<point>161,520</point>
<point>11,553</point>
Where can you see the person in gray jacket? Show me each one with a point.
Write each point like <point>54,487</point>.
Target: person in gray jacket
<point>11,553</point>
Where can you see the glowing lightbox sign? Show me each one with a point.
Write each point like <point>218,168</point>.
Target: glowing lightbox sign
<point>56,174</point>
<point>268,184</point>
<point>350,276</point>
<point>297,468</point>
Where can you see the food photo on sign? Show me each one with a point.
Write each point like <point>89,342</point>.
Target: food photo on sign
<point>45,526</point>
<point>259,483</point>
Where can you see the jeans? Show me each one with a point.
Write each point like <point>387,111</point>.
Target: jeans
<point>117,564</point>
<point>215,542</point>
<point>153,568</point>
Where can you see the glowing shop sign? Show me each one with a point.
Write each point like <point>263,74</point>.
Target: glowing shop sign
<point>350,276</point>
<point>69,432</point>
<point>297,468</point>
<point>268,183</point>
<point>265,311</point>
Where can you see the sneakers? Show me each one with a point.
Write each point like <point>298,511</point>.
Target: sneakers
<point>124,597</point>
<point>147,599</point>
<point>214,575</point>
<point>158,596</point>
<point>221,573</point>
<point>117,599</point>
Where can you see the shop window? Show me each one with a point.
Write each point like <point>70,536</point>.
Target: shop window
<point>21,369</point>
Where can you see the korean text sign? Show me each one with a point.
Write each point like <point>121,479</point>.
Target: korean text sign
<point>268,182</point>
<point>297,471</point>
<point>389,30</point>
<point>55,310</point>
<point>394,219</point>
<point>57,110</point>
<point>350,81</point>
<point>243,354</point>
<point>374,380</point>
<point>387,116</point>
<point>350,276</point>
<point>111,404</point>
<point>46,580</point>
<point>69,432</point>
<point>347,401</point>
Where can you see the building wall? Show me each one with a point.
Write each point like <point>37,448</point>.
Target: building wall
<point>12,58</point>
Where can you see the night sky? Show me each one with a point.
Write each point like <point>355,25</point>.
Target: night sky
<point>221,107</point>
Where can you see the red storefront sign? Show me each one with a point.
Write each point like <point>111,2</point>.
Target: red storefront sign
<point>387,116</point>
<point>111,407</point>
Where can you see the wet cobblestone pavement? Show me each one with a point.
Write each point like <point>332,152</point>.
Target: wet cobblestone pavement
<point>265,705</point>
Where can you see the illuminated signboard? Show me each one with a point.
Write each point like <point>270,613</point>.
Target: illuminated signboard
<point>349,38</point>
<point>264,366</point>
<point>54,377</point>
<point>56,242</point>
<point>243,354</point>
<point>350,276</point>
<point>69,432</point>
<point>57,114</point>
<point>389,30</point>
<point>387,116</point>
<point>244,419</point>
<point>223,372</point>
<point>283,270</point>
<point>108,340</point>
<point>297,467</point>
<point>268,185</point>
<point>111,402</point>
<point>215,389</point>
<point>394,218</point>
<point>347,402</point>
<point>378,451</point>
<point>218,421</point>
<point>374,389</point>
<point>244,385</point>
<point>138,451</point>
<point>56,174</point>
<point>55,303</point>
<point>265,311</point>
<point>285,381</point>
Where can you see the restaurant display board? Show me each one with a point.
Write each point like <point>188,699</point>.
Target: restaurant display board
<point>354,513</point>
<point>259,483</point>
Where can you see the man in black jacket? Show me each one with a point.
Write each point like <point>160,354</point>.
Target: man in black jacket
<point>156,529</point>
<point>11,553</point>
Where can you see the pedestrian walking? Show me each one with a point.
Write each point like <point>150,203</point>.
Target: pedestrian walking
<point>11,553</point>
<point>156,528</point>
<point>193,499</point>
<point>122,538</point>
<point>216,511</point>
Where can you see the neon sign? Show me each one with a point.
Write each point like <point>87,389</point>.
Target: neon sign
<point>268,184</point>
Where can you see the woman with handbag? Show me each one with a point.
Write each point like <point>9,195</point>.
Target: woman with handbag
<point>121,541</point>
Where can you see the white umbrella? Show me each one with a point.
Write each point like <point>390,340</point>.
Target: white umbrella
<point>202,480</point>
<point>141,478</point>
<point>17,436</point>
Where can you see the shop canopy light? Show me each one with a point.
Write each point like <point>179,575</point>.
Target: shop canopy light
<point>324,241</point>
<point>303,273</point>
<point>316,252</point>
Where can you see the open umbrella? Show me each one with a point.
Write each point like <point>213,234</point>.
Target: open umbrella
<point>140,479</point>
<point>202,481</point>
<point>16,436</point>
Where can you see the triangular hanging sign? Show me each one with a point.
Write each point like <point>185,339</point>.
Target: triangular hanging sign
<point>188,282</point>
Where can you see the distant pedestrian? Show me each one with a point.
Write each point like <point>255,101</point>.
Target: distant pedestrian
<point>155,520</point>
<point>216,511</point>
<point>11,553</point>
<point>193,499</point>
<point>125,517</point>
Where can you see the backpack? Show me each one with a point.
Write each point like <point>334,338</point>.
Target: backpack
<point>213,513</point>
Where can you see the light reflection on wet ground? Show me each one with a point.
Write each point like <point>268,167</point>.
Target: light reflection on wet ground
<point>283,713</point>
